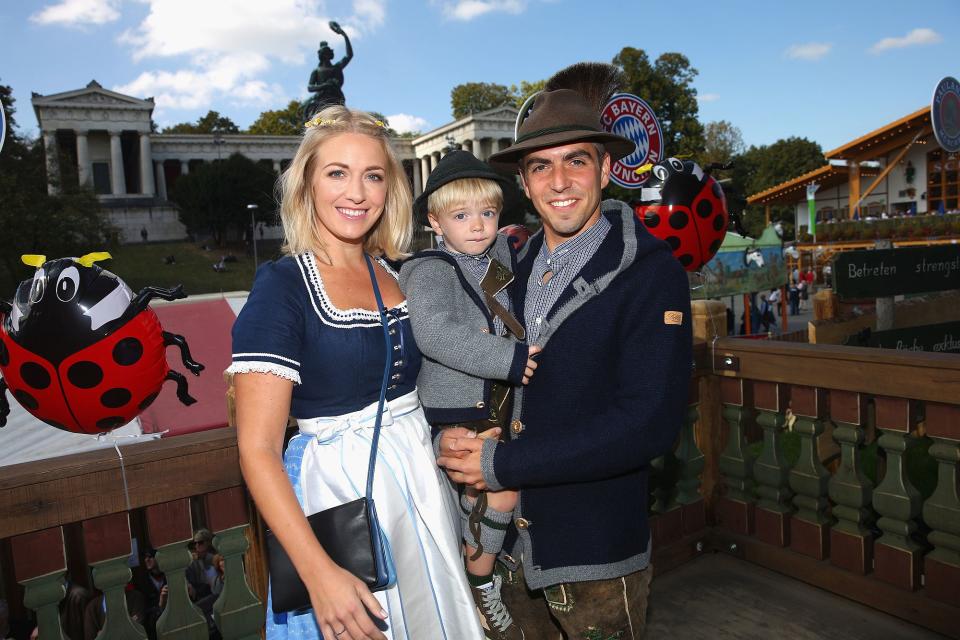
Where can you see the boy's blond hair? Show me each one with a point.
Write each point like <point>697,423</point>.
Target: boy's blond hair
<point>459,192</point>
<point>392,233</point>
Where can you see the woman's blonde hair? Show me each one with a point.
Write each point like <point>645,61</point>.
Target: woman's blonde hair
<point>465,190</point>
<point>391,235</point>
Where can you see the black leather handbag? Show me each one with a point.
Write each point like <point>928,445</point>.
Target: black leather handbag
<point>350,533</point>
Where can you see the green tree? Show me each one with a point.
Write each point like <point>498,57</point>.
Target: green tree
<point>213,122</point>
<point>722,142</point>
<point>68,223</point>
<point>214,197</point>
<point>525,90</point>
<point>282,122</point>
<point>667,86</point>
<point>765,166</point>
<point>474,97</point>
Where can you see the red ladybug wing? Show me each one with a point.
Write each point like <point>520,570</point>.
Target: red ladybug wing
<point>674,224</point>
<point>710,211</point>
<point>33,382</point>
<point>113,380</point>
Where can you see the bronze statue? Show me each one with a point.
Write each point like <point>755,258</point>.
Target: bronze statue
<point>327,79</point>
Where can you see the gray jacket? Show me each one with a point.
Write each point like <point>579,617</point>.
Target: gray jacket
<point>454,331</point>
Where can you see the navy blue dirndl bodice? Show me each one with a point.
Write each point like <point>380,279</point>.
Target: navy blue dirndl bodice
<point>289,327</point>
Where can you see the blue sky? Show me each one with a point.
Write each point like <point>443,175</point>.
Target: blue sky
<point>829,71</point>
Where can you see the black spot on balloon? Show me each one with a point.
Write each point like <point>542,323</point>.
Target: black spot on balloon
<point>717,190</point>
<point>704,208</point>
<point>85,374</point>
<point>127,351</point>
<point>674,242</point>
<point>719,223</point>
<point>4,355</point>
<point>679,219</point>
<point>114,398</point>
<point>686,259</point>
<point>35,375</point>
<point>28,401</point>
<point>146,402</point>
<point>651,219</point>
<point>110,423</point>
<point>715,246</point>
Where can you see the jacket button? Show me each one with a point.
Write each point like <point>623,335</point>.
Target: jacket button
<point>481,405</point>
<point>522,523</point>
<point>516,426</point>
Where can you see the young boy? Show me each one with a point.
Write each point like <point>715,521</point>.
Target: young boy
<point>472,346</point>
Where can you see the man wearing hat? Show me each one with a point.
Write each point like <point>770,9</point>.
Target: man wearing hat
<point>610,307</point>
<point>459,312</point>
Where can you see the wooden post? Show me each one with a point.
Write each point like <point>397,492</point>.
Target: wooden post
<point>747,324</point>
<point>784,292</point>
<point>854,187</point>
<point>766,213</point>
<point>884,304</point>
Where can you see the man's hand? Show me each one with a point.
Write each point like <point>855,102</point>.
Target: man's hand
<point>531,363</point>
<point>463,461</point>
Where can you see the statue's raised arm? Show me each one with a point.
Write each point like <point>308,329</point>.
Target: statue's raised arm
<point>336,28</point>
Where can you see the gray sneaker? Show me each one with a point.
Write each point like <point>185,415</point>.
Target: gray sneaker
<point>494,617</point>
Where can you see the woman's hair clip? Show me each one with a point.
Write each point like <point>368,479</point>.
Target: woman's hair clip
<point>317,122</point>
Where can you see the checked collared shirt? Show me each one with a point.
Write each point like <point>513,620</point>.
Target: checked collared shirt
<point>477,267</point>
<point>565,262</point>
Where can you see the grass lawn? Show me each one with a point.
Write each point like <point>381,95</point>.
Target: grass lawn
<point>140,265</point>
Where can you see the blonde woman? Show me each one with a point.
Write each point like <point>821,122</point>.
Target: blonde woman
<point>309,343</point>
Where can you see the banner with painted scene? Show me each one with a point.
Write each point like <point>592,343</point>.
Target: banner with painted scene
<point>742,265</point>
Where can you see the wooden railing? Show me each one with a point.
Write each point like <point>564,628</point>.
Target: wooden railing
<point>61,516</point>
<point>834,465</point>
<point>837,466</point>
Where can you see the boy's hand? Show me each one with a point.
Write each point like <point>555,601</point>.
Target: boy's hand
<point>531,363</point>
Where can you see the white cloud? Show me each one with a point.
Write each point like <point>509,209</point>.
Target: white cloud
<point>228,47</point>
<point>809,50</point>
<point>404,122</point>
<point>466,10</point>
<point>914,38</point>
<point>77,12</point>
<point>708,97</point>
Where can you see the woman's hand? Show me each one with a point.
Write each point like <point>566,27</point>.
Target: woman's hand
<point>531,363</point>
<point>341,603</point>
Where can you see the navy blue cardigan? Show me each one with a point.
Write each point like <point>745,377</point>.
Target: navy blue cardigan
<point>609,396</point>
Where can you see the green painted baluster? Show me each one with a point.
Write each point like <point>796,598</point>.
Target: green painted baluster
<point>736,473</point>
<point>690,459</point>
<point>809,478</point>
<point>771,470</point>
<point>941,511</point>
<point>850,489</point>
<point>237,612</point>
<point>111,577</point>
<point>898,503</point>
<point>43,594</point>
<point>180,620</point>
<point>665,486</point>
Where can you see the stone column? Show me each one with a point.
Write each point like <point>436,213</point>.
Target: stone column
<point>118,184</point>
<point>50,147</point>
<point>184,167</point>
<point>84,169</point>
<point>276,167</point>
<point>494,146</point>
<point>424,171</point>
<point>161,180</point>
<point>147,186</point>
<point>477,148</point>
<point>417,179</point>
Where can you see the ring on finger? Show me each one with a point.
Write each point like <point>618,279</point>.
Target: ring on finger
<point>341,632</point>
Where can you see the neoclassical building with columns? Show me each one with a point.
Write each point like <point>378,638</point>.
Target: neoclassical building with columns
<point>105,138</point>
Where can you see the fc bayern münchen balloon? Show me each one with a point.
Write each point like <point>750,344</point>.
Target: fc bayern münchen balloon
<point>80,351</point>
<point>685,206</point>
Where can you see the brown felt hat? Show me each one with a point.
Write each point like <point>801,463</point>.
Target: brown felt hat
<point>557,118</point>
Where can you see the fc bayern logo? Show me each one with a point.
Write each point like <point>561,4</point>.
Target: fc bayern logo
<point>945,114</point>
<point>629,116</point>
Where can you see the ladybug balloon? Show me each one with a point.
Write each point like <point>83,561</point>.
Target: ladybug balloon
<point>80,351</point>
<point>517,235</point>
<point>684,205</point>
